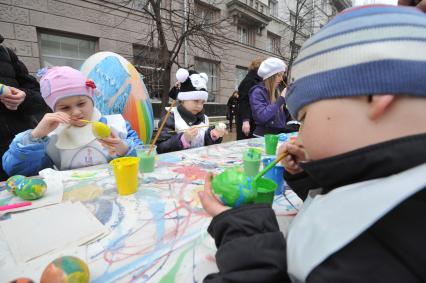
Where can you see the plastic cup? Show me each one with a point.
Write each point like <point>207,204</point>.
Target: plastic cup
<point>147,161</point>
<point>265,191</point>
<point>126,174</point>
<point>276,174</point>
<point>271,142</point>
<point>251,161</point>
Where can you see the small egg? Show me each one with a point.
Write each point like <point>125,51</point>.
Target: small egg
<point>221,126</point>
<point>22,280</point>
<point>13,182</point>
<point>66,269</point>
<point>100,130</point>
<point>31,189</point>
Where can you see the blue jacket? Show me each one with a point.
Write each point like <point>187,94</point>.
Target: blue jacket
<point>27,156</point>
<point>269,118</point>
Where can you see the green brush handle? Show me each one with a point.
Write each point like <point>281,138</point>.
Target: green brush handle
<point>270,166</point>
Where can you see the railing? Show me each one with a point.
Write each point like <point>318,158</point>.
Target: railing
<point>257,5</point>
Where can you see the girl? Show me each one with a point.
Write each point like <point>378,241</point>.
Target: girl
<point>61,139</point>
<point>188,126</point>
<point>267,107</point>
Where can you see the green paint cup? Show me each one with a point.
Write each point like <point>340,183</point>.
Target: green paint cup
<point>251,161</point>
<point>265,191</point>
<point>271,142</point>
<point>146,161</point>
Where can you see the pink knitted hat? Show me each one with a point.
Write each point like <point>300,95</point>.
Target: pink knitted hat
<point>60,82</point>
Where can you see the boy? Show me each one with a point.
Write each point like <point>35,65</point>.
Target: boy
<point>358,89</point>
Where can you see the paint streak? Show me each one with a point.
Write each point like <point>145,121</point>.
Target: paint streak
<point>191,173</point>
<point>171,275</point>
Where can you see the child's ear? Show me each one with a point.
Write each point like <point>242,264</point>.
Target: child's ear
<point>379,104</point>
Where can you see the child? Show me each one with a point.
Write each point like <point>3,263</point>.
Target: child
<point>360,94</point>
<point>188,126</point>
<point>267,107</point>
<point>61,139</point>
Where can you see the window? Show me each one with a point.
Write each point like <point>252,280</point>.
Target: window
<point>300,21</point>
<point>147,63</point>
<point>295,48</point>
<point>273,43</point>
<point>64,50</point>
<point>211,69</point>
<point>273,7</point>
<point>205,17</point>
<point>245,35</point>
<point>240,73</point>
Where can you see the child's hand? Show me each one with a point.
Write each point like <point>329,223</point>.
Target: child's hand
<point>190,134</point>
<point>49,123</point>
<point>218,132</point>
<point>115,145</point>
<point>13,98</point>
<point>295,155</point>
<point>209,202</point>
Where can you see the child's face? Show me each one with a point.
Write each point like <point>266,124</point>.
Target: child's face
<point>333,126</point>
<point>278,78</point>
<point>78,107</point>
<point>193,106</point>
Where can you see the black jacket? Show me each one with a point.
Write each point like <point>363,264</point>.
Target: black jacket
<point>14,73</point>
<point>169,140</point>
<point>250,80</point>
<point>251,248</point>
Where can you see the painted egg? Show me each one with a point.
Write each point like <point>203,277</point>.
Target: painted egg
<point>100,130</point>
<point>122,91</point>
<point>22,280</point>
<point>31,189</point>
<point>233,187</point>
<point>66,269</point>
<point>13,182</point>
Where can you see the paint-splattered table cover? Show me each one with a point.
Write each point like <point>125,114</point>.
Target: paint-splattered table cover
<point>159,233</point>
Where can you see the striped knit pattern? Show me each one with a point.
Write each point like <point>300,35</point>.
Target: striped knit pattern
<point>366,50</point>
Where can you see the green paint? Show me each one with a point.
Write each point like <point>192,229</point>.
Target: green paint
<point>171,275</point>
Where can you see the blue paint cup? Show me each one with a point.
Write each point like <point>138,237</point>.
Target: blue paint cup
<point>276,174</point>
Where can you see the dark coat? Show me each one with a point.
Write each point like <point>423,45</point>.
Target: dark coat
<point>252,249</point>
<point>169,140</point>
<point>14,73</point>
<point>244,110</point>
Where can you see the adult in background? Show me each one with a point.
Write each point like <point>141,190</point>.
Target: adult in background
<point>232,108</point>
<point>421,5</point>
<point>244,119</point>
<point>20,104</point>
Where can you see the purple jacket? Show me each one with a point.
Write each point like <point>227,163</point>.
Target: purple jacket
<point>269,118</point>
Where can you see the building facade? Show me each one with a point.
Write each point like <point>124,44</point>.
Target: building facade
<point>59,32</point>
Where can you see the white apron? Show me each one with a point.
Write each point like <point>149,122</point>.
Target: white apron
<point>181,125</point>
<point>76,147</point>
<point>327,223</point>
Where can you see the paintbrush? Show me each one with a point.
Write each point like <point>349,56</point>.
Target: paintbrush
<point>161,127</point>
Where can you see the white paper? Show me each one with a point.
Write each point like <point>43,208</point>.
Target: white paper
<point>49,229</point>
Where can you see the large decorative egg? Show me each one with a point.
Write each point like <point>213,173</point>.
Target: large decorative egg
<point>13,182</point>
<point>66,269</point>
<point>233,187</point>
<point>122,91</point>
<point>31,189</point>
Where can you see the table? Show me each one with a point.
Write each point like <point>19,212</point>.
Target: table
<point>159,233</point>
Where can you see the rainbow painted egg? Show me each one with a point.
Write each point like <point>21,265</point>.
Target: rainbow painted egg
<point>66,269</point>
<point>13,182</point>
<point>31,189</point>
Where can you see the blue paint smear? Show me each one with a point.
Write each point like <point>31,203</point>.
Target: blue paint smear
<point>109,76</point>
<point>157,208</point>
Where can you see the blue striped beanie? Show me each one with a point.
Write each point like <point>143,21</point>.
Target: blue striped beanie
<point>367,50</point>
